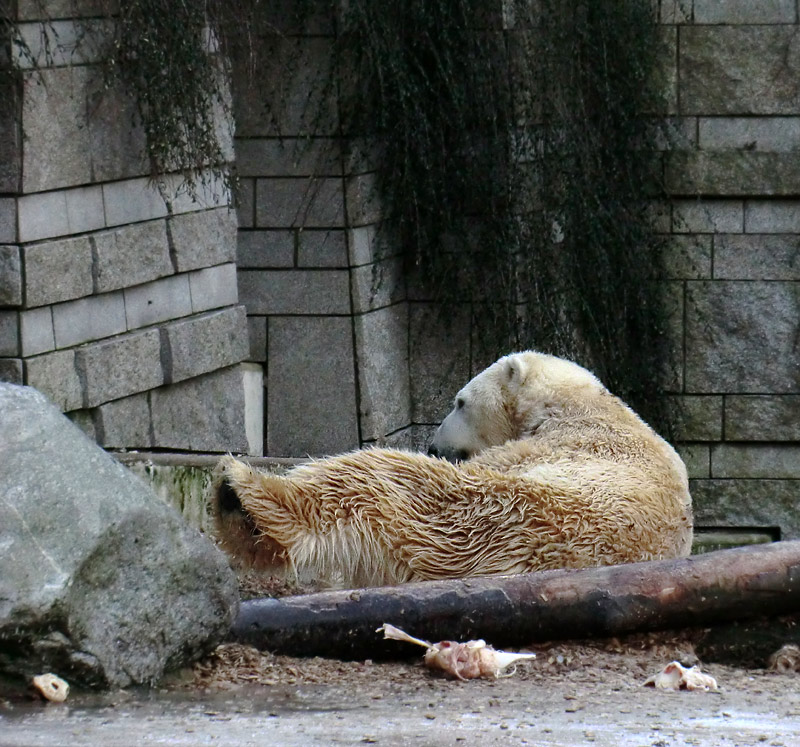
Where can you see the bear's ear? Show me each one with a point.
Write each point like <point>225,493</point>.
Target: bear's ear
<point>513,373</point>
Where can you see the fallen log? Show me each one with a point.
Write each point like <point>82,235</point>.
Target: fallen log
<point>534,607</point>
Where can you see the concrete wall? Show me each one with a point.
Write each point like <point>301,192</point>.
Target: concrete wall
<point>735,228</point>
<point>117,300</point>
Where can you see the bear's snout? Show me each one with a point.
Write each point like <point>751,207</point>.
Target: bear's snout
<point>452,455</point>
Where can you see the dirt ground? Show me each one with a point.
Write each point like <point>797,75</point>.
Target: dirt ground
<point>571,694</point>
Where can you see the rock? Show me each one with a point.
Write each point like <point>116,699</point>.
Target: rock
<point>100,581</point>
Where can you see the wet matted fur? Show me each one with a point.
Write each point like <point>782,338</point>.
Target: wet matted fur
<point>573,479</point>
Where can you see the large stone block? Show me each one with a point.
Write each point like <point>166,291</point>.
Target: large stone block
<point>245,203</point>
<point>213,287</point>
<point>201,414</point>
<point>688,257</point>
<point>772,216</point>
<point>748,503</point>
<point>132,201</point>
<point>288,157</point>
<point>439,362</point>
<point>774,461</point>
<point>8,219</point>
<point>257,334</point>
<point>55,129</point>
<point>731,173</point>
<point>202,239</point>
<point>382,354</point>
<point>9,333</point>
<point>774,134</point>
<point>11,370</point>
<point>116,138</point>
<point>363,200</point>
<point>57,271</point>
<point>295,291</point>
<point>699,418</point>
<point>294,95</point>
<point>266,249</point>
<point>30,10</point>
<point>61,43</point>
<point>10,135</point>
<point>205,343</point>
<point>46,215</point>
<point>124,423</point>
<point>741,337</point>
<point>308,203</point>
<point>311,399</point>
<point>756,257</point>
<point>36,333</point>
<point>10,276</point>
<point>378,285</point>
<point>56,376</point>
<point>87,319</point>
<point>708,216</point>
<point>131,255</point>
<point>117,368</point>
<point>321,249</point>
<point>739,70</point>
<point>697,458</point>
<point>159,301</point>
<point>99,580</point>
<point>744,11</point>
<point>753,417</point>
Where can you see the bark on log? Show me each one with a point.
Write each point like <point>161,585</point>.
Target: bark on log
<point>514,611</point>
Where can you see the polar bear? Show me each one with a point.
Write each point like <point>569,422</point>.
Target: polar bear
<point>550,470</point>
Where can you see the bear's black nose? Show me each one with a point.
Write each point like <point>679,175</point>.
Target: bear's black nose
<point>433,451</point>
<point>227,500</point>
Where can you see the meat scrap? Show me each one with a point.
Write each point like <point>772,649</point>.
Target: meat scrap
<point>675,676</point>
<point>51,687</point>
<point>462,660</point>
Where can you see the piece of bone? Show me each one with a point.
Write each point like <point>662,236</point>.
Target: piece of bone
<point>51,687</point>
<point>675,676</point>
<point>462,660</point>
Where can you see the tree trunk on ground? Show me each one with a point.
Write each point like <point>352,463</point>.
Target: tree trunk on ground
<point>515,611</point>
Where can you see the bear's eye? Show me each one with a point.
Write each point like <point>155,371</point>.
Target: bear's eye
<point>459,403</point>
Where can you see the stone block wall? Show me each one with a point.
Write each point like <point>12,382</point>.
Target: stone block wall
<point>735,232</point>
<point>118,299</point>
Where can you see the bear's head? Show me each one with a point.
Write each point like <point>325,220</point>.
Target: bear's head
<point>509,401</point>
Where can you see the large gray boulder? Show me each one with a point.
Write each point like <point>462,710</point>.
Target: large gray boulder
<point>100,581</point>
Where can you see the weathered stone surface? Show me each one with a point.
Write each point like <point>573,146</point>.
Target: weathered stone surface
<point>311,404</point>
<point>438,369</point>
<point>101,582</point>
<point>57,271</point>
<point>11,370</point>
<point>9,333</point>
<point>124,423</point>
<point>739,70</point>
<point>740,337</point>
<point>158,301</point>
<point>382,351</point>
<point>55,129</point>
<point>55,376</point>
<point>131,255</point>
<point>775,134</point>
<point>688,257</point>
<point>288,157</point>
<point>754,417</point>
<point>700,418</point>
<point>205,343</point>
<point>10,135</point>
<point>321,249</point>
<point>28,10</point>
<point>119,367</point>
<point>775,461</point>
<point>201,414</point>
<point>756,257</point>
<point>378,285</point>
<point>708,216</point>
<point>36,331</point>
<point>8,219</point>
<point>213,287</point>
<point>131,201</point>
<point>772,216</point>
<point>61,43</point>
<point>295,291</point>
<point>697,458</point>
<point>744,11</point>
<point>731,173</point>
<point>363,203</point>
<point>245,203</point>
<point>266,249</point>
<point>309,202</point>
<point>748,503</point>
<point>257,334</point>
<point>202,239</point>
<point>45,215</point>
<point>87,319</point>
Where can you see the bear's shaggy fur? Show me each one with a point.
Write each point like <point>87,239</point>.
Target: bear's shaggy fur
<point>559,473</point>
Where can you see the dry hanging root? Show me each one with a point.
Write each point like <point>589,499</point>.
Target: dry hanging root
<point>675,676</point>
<point>462,660</point>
